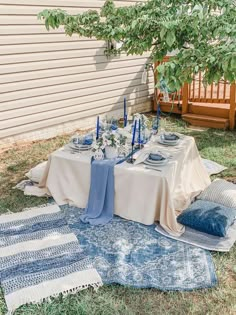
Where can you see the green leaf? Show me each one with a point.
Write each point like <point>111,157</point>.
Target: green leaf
<point>162,33</point>
<point>134,23</point>
<point>161,69</point>
<point>233,62</point>
<point>225,65</point>
<point>212,59</point>
<point>200,15</point>
<point>170,38</point>
<point>47,25</point>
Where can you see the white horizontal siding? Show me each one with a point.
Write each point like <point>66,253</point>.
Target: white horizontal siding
<point>16,29</point>
<point>122,73</point>
<point>48,73</point>
<point>100,62</point>
<point>38,38</point>
<point>45,99</point>
<point>33,48</point>
<point>47,78</point>
<point>89,4</point>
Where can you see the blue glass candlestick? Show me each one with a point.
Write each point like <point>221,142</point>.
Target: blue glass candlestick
<point>131,159</point>
<point>125,115</point>
<point>97,129</point>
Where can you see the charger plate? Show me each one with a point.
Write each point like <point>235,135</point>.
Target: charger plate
<point>168,143</point>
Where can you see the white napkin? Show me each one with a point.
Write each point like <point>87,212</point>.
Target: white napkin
<point>141,155</point>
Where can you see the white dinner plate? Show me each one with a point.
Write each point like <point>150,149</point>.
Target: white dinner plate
<point>164,142</point>
<point>81,148</point>
<point>162,136</point>
<point>154,164</point>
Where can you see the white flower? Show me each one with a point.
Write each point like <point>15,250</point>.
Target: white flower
<point>125,132</point>
<point>95,146</point>
<point>105,135</point>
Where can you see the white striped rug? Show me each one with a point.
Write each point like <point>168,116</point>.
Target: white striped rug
<point>40,257</point>
<point>204,240</point>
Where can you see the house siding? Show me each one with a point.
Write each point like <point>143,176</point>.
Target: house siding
<point>51,83</point>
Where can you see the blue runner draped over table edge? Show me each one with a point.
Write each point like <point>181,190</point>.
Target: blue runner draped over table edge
<point>100,207</point>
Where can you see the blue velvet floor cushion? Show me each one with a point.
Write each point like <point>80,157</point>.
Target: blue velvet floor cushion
<point>208,217</point>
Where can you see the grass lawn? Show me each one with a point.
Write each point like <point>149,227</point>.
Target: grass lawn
<point>219,146</point>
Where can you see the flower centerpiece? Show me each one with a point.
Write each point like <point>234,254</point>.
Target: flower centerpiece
<point>110,142</point>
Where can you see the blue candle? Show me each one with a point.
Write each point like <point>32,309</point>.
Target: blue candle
<point>158,115</point>
<point>134,132</point>
<point>124,107</point>
<point>97,130</point>
<point>125,121</point>
<point>125,116</point>
<point>139,131</point>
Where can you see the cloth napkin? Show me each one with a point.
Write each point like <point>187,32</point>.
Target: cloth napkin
<point>170,137</point>
<point>142,156</point>
<point>100,207</point>
<point>114,127</point>
<point>156,157</point>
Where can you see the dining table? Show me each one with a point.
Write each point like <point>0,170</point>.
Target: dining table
<point>141,194</point>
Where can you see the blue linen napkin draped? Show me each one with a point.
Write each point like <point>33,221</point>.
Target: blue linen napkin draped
<point>100,207</point>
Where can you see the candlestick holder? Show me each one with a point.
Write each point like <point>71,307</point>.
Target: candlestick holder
<point>138,146</point>
<point>131,158</point>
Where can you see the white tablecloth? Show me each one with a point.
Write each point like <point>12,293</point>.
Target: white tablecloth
<point>141,194</point>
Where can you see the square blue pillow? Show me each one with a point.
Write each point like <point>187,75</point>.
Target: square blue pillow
<point>208,217</point>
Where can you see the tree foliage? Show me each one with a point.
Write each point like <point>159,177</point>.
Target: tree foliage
<point>203,34</point>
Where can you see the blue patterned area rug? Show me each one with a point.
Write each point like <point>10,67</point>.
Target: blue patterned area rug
<point>40,257</point>
<point>133,254</point>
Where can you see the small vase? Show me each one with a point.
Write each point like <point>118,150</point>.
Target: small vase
<point>98,155</point>
<point>111,152</point>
